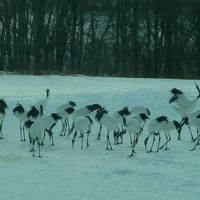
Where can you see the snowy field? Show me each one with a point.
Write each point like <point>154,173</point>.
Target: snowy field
<point>95,174</point>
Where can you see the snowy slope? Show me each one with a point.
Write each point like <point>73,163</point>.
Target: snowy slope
<point>93,173</point>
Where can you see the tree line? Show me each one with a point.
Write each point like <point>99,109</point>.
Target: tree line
<point>133,38</point>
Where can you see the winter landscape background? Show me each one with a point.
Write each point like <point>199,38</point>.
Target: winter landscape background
<point>94,173</point>
<point>134,38</point>
<point>66,45</point>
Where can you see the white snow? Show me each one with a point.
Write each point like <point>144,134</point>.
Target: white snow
<point>94,173</point>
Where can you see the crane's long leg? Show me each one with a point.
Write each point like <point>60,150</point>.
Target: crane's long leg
<point>191,133</point>
<point>20,128</point>
<point>141,130</point>
<point>23,131</point>
<point>71,130</point>
<point>43,137</point>
<point>88,133</point>
<point>38,143</point>
<point>167,141</point>
<point>145,143</point>
<point>52,139</point>
<point>81,134</point>
<point>62,129</point>
<point>138,134</point>
<point>179,134</point>
<point>99,134</point>
<point>198,143</point>
<point>68,125</point>
<point>169,137</point>
<point>159,138</point>
<point>115,136</point>
<point>108,141</point>
<point>152,143</point>
<point>121,137</point>
<point>65,129</point>
<point>130,139</point>
<point>33,146</point>
<point>73,140</point>
<point>1,131</point>
<point>197,135</point>
<point>197,138</point>
<point>50,133</point>
<point>121,133</point>
<point>133,147</point>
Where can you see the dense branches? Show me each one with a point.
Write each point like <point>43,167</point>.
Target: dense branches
<point>138,38</point>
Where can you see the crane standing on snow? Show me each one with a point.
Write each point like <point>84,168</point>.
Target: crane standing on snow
<point>184,106</point>
<point>3,107</point>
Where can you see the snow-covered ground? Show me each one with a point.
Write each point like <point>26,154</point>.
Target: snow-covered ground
<point>65,173</point>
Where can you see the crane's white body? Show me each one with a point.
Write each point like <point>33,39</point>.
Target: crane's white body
<point>82,124</point>
<point>81,112</point>
<point>109,122</point>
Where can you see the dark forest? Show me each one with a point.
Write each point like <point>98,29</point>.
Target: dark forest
<point>130,38</point>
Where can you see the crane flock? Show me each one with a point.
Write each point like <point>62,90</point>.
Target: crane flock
<point>78,121</point>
